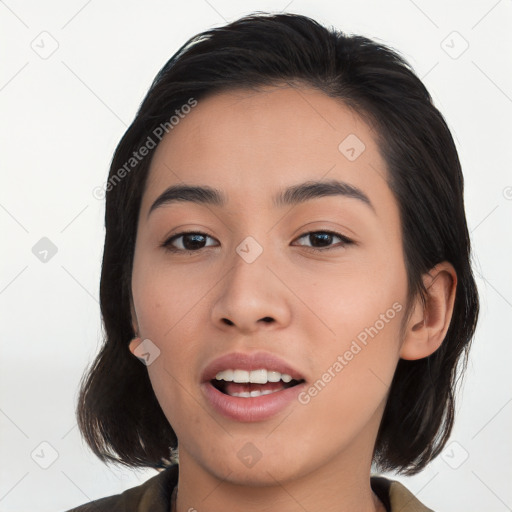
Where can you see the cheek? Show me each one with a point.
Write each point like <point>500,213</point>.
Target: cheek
<point>353,301</point>
<point>172,312</point>
<point>352,376</point>
<point>173,324</point>
<point>167,297</point>
<point>172,321</point>
<point>355,362</point>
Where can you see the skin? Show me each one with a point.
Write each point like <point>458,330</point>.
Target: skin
<point>248,144</point>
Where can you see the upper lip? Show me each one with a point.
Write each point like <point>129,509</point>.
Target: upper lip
<point>248,361</point>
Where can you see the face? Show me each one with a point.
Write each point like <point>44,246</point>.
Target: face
<point>317,280</point>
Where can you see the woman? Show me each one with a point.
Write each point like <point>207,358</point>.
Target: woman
<point>286,285</point>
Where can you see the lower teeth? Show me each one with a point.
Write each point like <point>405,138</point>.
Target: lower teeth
<point>247,394</point>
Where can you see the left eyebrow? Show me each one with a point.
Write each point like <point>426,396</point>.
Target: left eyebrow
<point>314,189</point>
<point>292,195</point>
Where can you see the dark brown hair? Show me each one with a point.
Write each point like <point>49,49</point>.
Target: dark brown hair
<point>118,413</point>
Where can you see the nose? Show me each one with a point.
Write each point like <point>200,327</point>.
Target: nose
<point>252,296</point>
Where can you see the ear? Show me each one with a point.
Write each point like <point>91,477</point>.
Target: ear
<point>429,322</point>
<point>132,346</point>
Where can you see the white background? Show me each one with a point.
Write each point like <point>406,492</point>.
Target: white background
<point>61,118</point>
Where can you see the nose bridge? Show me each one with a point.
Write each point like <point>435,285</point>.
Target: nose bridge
<point>250,274</point>
<point>250,291</point>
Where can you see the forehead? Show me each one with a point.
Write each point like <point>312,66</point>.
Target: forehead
<point>251,144</point>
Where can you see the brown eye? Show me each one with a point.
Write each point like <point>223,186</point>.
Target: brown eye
<point>190,241</point>
<point>322,240</point>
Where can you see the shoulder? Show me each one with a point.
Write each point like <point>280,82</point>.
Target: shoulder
<point>396,496</point>
<point>153,495</point>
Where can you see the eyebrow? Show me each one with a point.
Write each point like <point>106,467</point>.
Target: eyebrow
<point>292,195</point>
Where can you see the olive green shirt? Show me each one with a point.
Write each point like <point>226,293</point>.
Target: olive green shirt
<point>154,495</point>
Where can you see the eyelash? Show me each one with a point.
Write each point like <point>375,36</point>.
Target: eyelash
<point>168,247</point>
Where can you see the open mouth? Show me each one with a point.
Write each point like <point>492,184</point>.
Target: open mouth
<point>251,389</point>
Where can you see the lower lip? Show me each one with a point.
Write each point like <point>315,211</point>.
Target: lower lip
<point>254,408</point>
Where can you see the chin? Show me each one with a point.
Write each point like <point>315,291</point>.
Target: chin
<point>262,474</point>
<point>249,466</point>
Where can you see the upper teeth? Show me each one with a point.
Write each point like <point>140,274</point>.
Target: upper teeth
<point>255,376</point>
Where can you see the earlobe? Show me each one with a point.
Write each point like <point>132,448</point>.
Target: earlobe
<point>134,343</point>
<point>429,321</point>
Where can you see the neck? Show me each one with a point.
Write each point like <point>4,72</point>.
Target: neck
<point>341,485</point>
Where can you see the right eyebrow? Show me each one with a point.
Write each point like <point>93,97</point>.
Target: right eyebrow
<point>191,193</point>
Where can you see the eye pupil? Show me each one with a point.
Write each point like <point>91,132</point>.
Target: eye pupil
<point>326,237</point>
<point>196,241</point>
